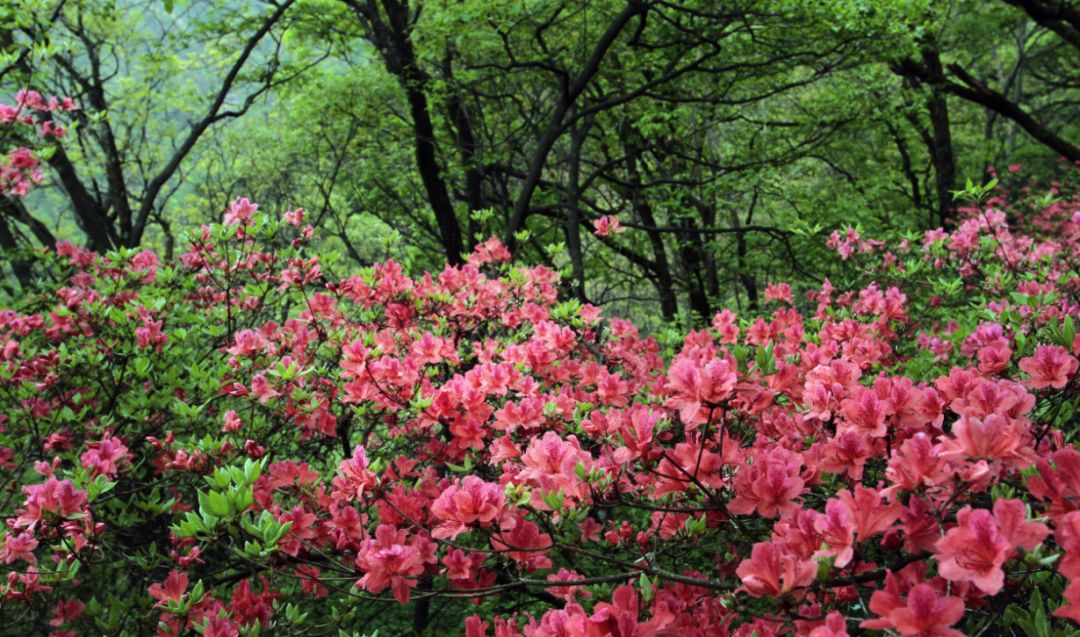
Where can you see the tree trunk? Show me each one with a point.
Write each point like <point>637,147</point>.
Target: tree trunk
<point>573,210</point>
<point>942,152</point>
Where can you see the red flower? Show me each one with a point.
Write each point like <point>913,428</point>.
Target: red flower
<point>770,484</point>
<point>865,413</point>
<point>388,561</point>
<point>872,514</point>
<point>917,463</point>
<point>354,478</point>
<point>981,542</point>
<point>837,528</point>
<point>923,615</point>
<point>1051,366</point>
<point>67,610</point>
<point>773,570</point>
<point>1067,535</point>
<point>1072,609</point>
<point>694,386</point>
<point>835,626</point>
<point>172,590</point>
<point>524,543</point>
<point>620,617</point>
<point>18,547</point>
<point>220,627</point>
<point>468,502</point>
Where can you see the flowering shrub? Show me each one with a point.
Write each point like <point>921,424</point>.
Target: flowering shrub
<point>28,120</point>
<point>250,442</point>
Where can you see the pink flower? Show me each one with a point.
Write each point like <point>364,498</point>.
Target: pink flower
<point>150,335</point>
<point>430,349</point>
<point>172,590</point>
<point>780,293</point>
<point>865,413</point>
<point>1051,366</point>
<point>551,463</point>
<point>295,217</point>
<point>837,529</point>
<point>872,515</point>
<point>353,478</point>
<point>773,570</point>
<point>66,610</point>
<point>475,626</point>
<point>606,225</point>
<point>994,358</point>
<point>471,501</point>
<point>981,542</point>
<point>835,626</point>
<point>994,437</point>
<point>232,422</point>
<point>18,547</point>
<point>770,484</point>
<point>261,388</point>
<point>59,497</point>
<point>389,562</point>
<point>924,614</point>
<point>1067,535</point>
<point>846,453</point>
<point>725,323</point>
<point>1071,610</point>
<point>694,387</point>
<point>241,210</point>
<point>490,251</point>
<point>103,457</point>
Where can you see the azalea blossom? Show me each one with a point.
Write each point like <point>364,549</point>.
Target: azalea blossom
<point>773,570</point>
<point>982,541</point>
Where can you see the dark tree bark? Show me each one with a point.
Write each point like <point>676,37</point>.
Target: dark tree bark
<point>665,284</point>
<point>213,115</point>
<point>108,219</point>
<point>12,209</point>
<point>573,209</point>
<point>975,91</point>
<point>392,36</point>
<point>942,151</point>
<point>1059,16</point>
<point>907,166</point>
<point>557,123</point>
<point>22,269</point>
<point>468,149</point>
<point>971,89</point>
<point>690,252</point>
<point>88,212</point>
<point>741,252</point>
<point>93,87</point>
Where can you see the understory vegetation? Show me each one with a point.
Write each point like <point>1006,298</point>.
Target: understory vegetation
<point>539,318</point>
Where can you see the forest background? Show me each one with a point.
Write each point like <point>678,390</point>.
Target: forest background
<point>724,141</point>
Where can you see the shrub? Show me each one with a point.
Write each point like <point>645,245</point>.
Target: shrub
<point>250,442</point>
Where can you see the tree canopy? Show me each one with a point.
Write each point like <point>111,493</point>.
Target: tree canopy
<point>721,136</point>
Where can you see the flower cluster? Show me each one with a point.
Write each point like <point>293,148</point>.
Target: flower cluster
<point>30,117</point>
<point>247,439</point>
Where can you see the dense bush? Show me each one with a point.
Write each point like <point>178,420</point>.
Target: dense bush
<point>249,441</point>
